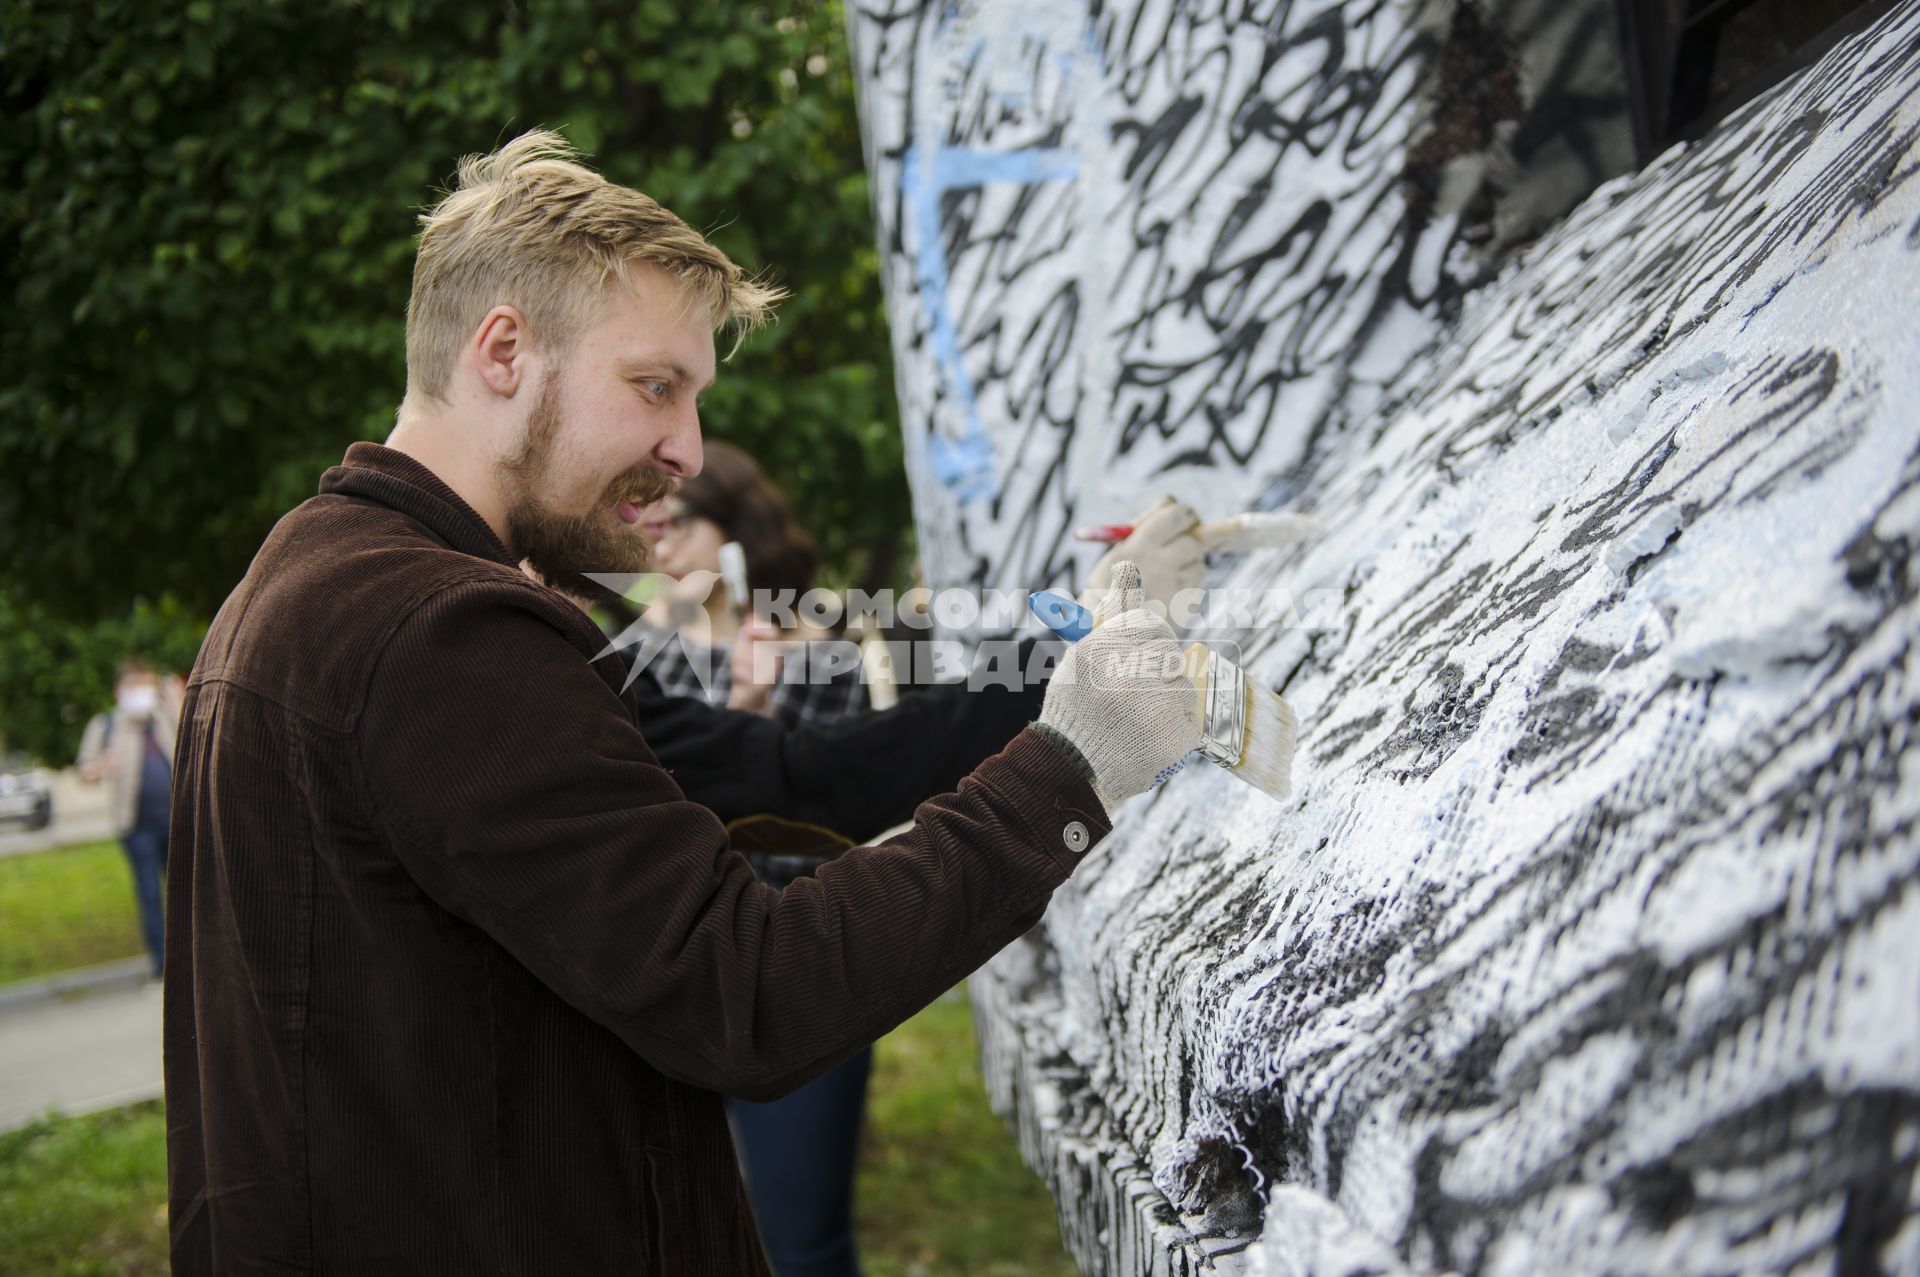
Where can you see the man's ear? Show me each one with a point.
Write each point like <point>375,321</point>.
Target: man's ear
<point>501,350</point>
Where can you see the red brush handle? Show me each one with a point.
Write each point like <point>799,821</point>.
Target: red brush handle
<point>1105,533</point>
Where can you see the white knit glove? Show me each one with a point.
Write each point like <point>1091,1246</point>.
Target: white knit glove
<point>1164,547</point>
<point>1120,696</point>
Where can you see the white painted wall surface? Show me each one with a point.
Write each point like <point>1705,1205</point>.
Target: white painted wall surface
<point>1590,938</point>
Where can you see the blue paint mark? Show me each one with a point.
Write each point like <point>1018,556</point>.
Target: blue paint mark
<point>964,465</point>
<point>954,167</point>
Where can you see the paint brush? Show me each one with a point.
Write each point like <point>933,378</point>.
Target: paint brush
<point>733,574</point>
<point>1245,728</point>
<point>1254,530</point>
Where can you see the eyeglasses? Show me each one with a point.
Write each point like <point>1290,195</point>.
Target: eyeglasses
<point>678,520</point>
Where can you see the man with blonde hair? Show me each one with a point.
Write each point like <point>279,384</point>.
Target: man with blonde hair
<point>455,969</point>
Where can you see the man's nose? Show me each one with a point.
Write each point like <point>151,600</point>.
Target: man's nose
<point>680,453</point>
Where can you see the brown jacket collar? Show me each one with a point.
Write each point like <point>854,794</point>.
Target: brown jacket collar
<point>375,472</point>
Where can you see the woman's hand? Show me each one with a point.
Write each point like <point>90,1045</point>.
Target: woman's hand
<point>745,691</point>
<point>1163,545</point>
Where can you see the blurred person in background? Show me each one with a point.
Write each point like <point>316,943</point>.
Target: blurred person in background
<point>797,1153</point>
<point>130,747</point>
<point>731,499</point>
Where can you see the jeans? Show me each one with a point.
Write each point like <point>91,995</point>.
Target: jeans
<point>146,849</point>
<point>798,1154</point>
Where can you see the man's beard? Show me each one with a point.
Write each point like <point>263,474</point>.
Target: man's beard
<point>563,548</point>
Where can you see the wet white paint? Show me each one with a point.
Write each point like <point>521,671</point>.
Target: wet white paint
<point>1585,942</point>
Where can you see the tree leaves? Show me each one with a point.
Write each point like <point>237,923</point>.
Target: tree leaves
<point>57,675</point>
<point>206,226</point>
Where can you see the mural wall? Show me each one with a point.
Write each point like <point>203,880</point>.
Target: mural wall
<point>1163,248</point>
<point>1587,939</point>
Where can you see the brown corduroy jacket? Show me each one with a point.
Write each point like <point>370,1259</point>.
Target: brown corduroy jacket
<point>455,973</point>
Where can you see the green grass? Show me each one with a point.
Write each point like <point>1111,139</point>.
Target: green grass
<point>942,1190</point>
<point>67,908</point>
<point>82,1196</point>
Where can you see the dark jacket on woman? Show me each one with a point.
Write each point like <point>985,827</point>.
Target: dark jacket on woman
<point>859,775</point>
<point>455,969</point>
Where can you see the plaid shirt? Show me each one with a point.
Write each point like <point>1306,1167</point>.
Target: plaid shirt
<point>705,673</point>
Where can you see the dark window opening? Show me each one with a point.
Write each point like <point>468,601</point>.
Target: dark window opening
<point>1690,62</point>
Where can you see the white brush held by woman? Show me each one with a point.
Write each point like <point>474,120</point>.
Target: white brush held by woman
<point>1254,530</point>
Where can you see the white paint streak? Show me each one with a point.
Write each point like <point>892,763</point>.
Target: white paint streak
<point>1585,940</point>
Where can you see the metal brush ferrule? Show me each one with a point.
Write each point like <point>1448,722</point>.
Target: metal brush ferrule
<point>1225,729</point>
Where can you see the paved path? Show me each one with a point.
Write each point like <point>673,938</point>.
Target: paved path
<point>79,1052</point>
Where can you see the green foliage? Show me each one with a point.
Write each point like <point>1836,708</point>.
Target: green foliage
<point>73,907</point>
<point>206,233</point>
<point>86,1196</point>
<point>942,1191</point>
<point>55,674</point>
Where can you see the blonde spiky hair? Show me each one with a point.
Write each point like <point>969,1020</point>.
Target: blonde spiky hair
<point>531,227</point>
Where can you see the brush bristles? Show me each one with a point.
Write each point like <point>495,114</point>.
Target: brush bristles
<point>1266,746</point>
<point>1265,531</point>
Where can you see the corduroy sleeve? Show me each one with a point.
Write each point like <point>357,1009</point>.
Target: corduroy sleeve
<point>858,775</point>
<point>513,785</point>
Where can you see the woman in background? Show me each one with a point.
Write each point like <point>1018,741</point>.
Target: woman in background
<point>797,1153</point>
<point>731,499</point>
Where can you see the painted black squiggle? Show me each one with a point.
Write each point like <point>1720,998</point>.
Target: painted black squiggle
<point>1142,167</point>
<point>1575,949</point>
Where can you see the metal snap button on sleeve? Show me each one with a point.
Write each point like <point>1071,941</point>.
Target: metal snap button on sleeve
<point>1075,835</point>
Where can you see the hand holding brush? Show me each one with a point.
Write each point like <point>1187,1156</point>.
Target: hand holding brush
<point>1245,728</point>
<point>1119,699</point>
<point>744,691</point>
<point>1170,544</point>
